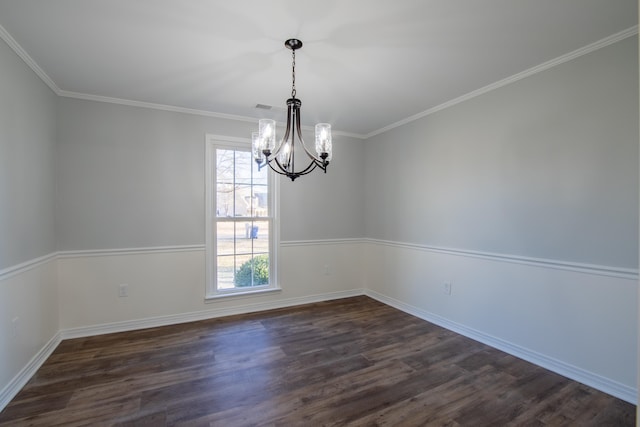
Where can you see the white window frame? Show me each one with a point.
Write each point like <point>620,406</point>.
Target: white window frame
<point>213,142</point>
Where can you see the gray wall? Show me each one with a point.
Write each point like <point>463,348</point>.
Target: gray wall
<point>326,206</point>
<point>546,167</point>
<point>134,177</point>
<point>27,162</point>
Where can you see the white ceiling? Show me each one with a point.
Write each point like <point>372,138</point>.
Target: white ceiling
<point>365,64</point>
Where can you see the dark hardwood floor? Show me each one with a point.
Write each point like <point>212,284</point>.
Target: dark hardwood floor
<point>353,362</point>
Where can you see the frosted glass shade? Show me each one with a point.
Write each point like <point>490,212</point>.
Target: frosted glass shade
<point>256,146</point>
<point>323,139</point>
<point>267,133</point>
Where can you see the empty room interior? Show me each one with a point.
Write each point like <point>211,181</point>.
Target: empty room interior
<point>323,213</point>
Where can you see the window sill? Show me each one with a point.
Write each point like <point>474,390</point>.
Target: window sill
<point>233,295</point>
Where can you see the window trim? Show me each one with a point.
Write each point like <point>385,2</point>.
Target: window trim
<point>213,142</point>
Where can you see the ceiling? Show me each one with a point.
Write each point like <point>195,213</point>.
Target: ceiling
<point>365,65</point>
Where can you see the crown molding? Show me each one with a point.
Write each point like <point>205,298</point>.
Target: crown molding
<point>31,63</point>
<point>629,32</point>
<point>13,44</point>
<point>175,109</point>
<point>153,106</point>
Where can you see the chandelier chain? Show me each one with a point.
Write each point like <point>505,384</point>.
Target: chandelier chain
<point>293,74</point>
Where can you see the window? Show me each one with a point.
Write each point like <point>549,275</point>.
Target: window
<point>240,228</point>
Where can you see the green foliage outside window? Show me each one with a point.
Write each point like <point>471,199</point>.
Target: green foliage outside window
<point>259,266</point>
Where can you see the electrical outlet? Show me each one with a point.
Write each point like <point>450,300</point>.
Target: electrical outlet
<point>446,288</point>
<point>14,326</point>
<point>325,270</point>
<point>123,290</point>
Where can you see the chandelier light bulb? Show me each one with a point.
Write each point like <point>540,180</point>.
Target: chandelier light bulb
<point>285,156</point>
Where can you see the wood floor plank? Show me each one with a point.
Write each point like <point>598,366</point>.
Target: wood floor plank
<point>349,362</point>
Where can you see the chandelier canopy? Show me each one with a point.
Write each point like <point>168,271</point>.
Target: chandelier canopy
<point>281,157</point>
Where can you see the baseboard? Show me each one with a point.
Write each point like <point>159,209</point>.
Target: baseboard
<point>25,374</point>
<point>153,322</point>
<point>621,391</point>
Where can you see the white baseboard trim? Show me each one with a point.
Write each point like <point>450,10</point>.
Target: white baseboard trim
<point>25,374</point>
<point>153,322</point>
<point>621,391</point>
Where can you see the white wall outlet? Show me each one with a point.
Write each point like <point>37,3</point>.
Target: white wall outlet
<point>123,290</point>
<point>325,270</point>
<point>446,288</point>
<point>14,326</point>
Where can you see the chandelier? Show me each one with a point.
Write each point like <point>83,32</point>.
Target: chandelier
<point>281,158</point>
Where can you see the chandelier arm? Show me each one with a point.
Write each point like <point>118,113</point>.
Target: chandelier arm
<point>287,131</point>
<point>279,170</point>
<point>293,175</point>
<point>292,154</point>
<point>315,161</point>
<point>276,151</point>
<point>322,165</point>
<point>304,146</point>
<point>283,171</point>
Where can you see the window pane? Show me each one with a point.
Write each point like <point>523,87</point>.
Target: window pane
<point>225,268</point>
<point>244,200</point>
<point>253,271</point>
<point>245,231</point>
<point>261,237</point>
<point>252,237</point>
<point>261,200</point>
<point>260,177</point>
<point>225,183</point>
<point>261,190</point>
<point>244,271</point>
<point>225,200</point>
<point>225,164</point>
<point>225,244</point>
<point>244,166</point>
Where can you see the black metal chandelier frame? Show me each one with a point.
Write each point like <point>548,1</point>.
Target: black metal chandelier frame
<point>282,159</point>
